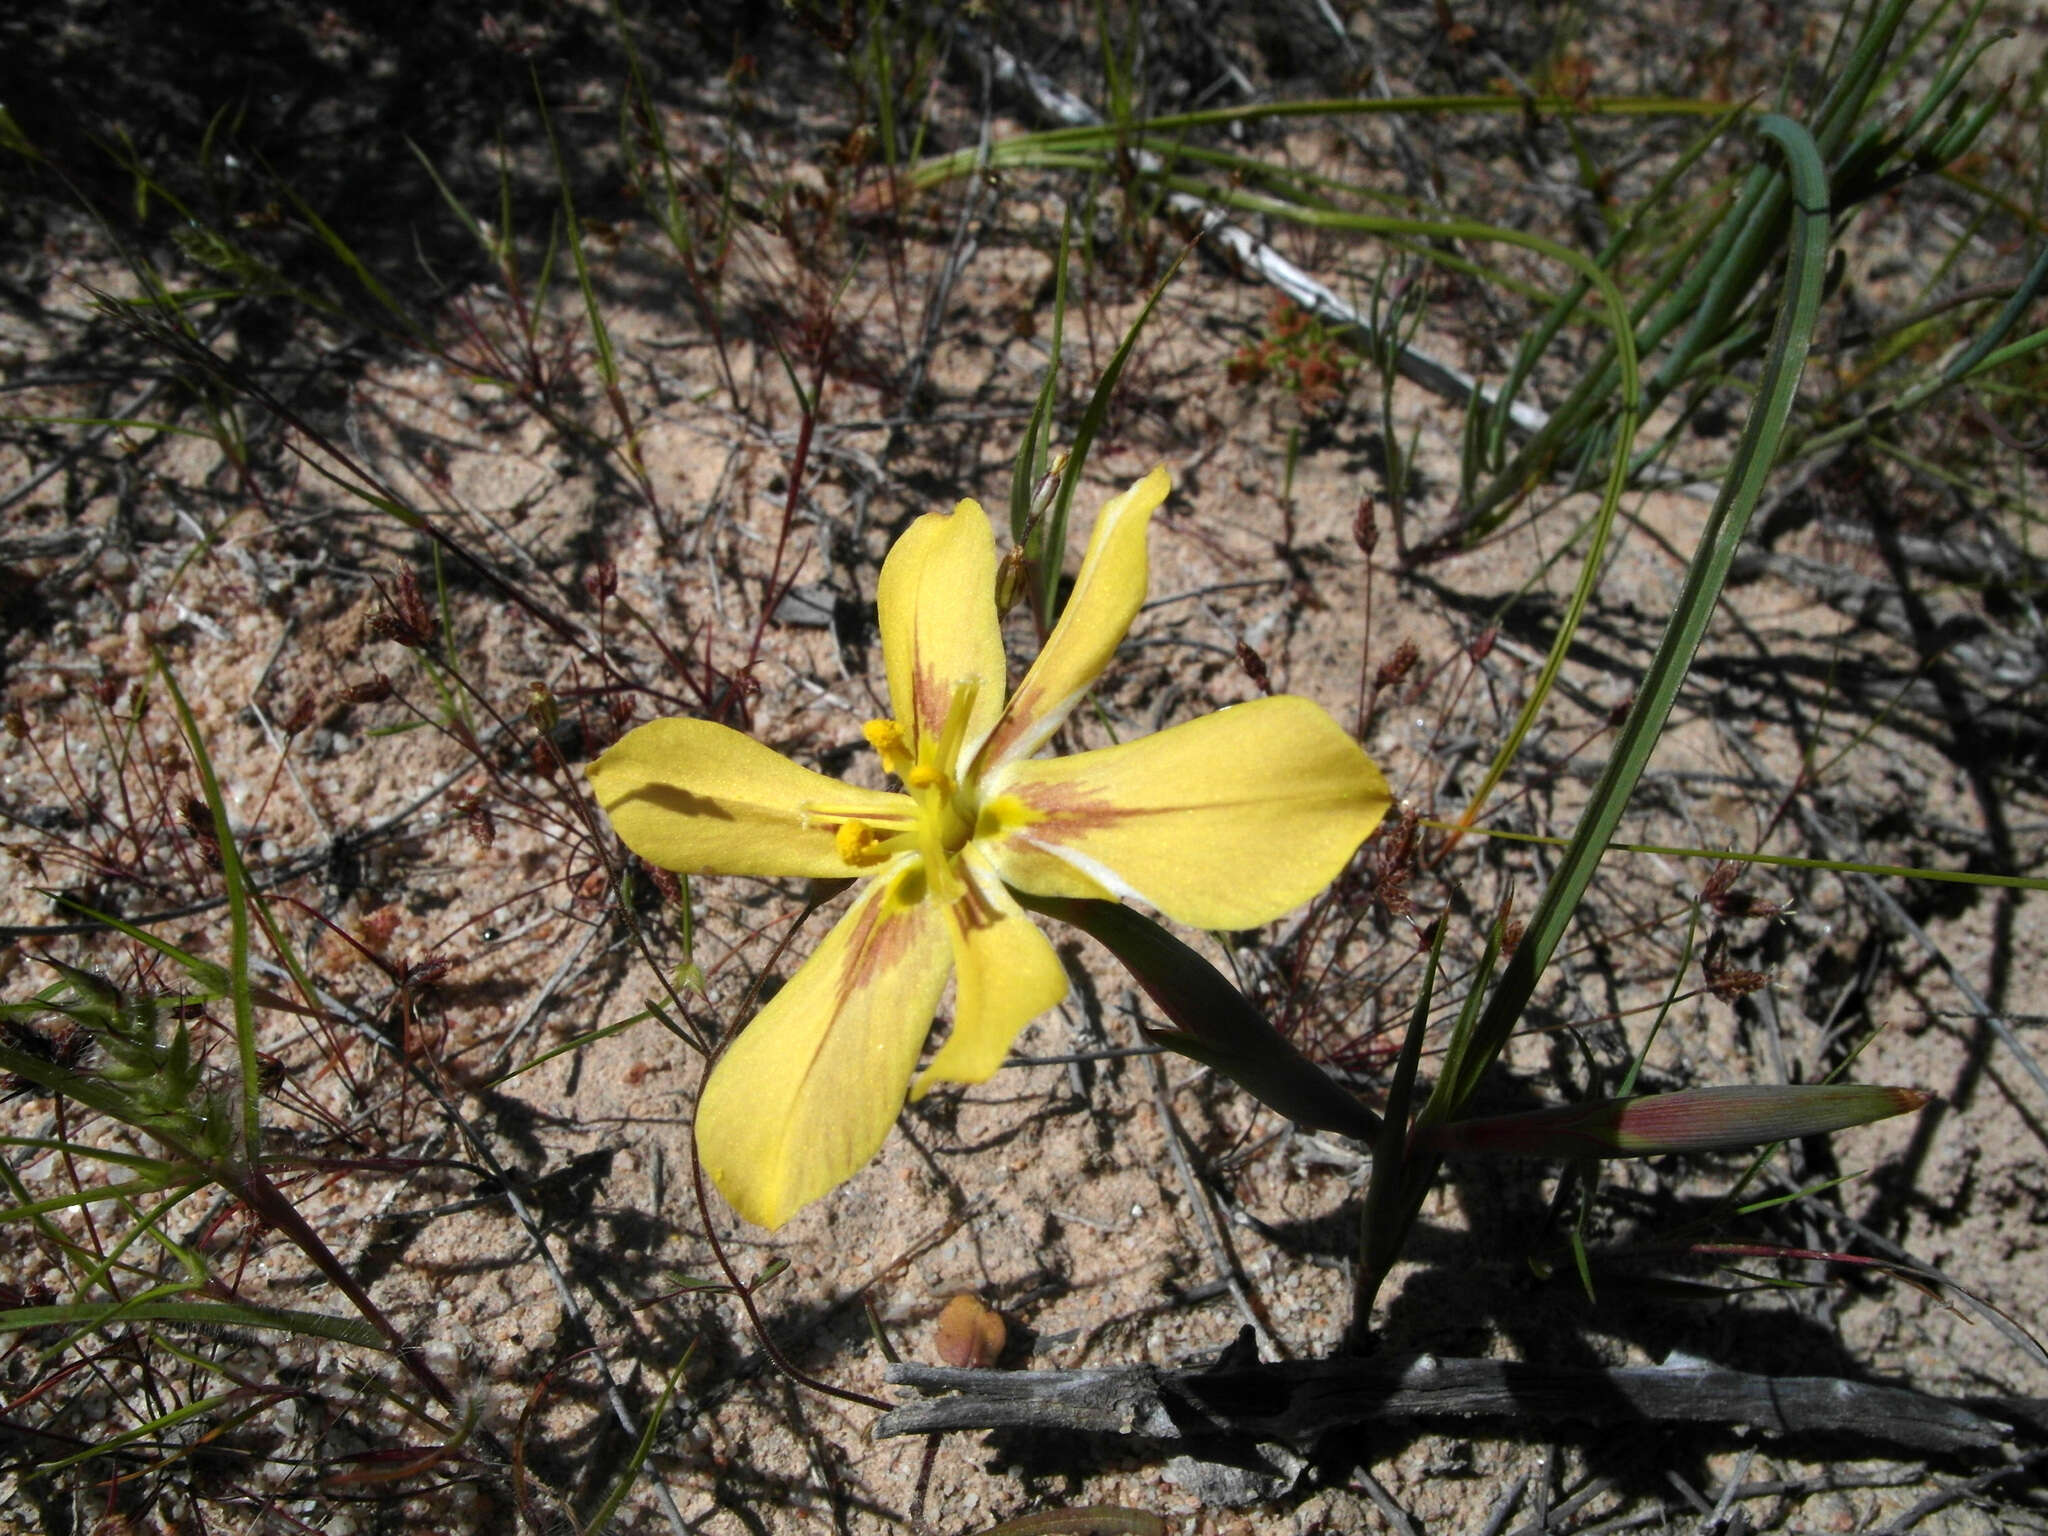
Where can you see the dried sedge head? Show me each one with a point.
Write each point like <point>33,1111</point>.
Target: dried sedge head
<point>1393,864</point>
<point>1365,527</point>
<point>374,691</point>
<point>35,1294</point>
<point>1718,884</point>
<point>1506,923</point>
<point>405,616</point>
<point>665,881</point>
<point>1395,669</point>
<point>1728,982</point>
<point>425,974</point>
<point>302,715</point>
<point>1254,667</point>
<point>545,757</point>
<point>197,816</point>
<point>476,816</point>
<point>1721,896</point>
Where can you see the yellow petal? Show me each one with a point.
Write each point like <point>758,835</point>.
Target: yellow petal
<point>1007,974</point>
<point>1224,822</point>
<point>937,607</point>
<point>807,1093</point>
<point>1106,597</point>
<point>704,799</point>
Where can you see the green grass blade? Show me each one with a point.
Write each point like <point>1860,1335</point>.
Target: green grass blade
<point>1055,539</point>
<point>601,1518</point>
<point>1384,1218</point>
<point>1762,436</point>
<point>152,1429</point>
<point>215,1315</point>
<point>235,880</point>
<point>213,980</point>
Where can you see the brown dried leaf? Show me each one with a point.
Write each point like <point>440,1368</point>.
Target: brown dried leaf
<point>970,1332</point>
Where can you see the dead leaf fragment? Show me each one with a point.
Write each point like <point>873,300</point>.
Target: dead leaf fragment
<point>970,1332</point>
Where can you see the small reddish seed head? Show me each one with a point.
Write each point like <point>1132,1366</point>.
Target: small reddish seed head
<point>1397,666</point>
<point>301,716</point>
<point>1365,527</point>
<point>405,619</point>
<point>1254,666</point>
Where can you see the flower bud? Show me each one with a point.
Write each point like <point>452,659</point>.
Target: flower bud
<point>1048,485</point>
<point>1013,575</point>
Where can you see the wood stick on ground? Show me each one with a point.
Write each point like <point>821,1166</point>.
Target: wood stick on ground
<point>1297,1402</point>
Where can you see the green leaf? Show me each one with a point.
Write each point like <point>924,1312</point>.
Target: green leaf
<point>195,1314</point>
<point>235,881</point>
<point>1696,1120</point>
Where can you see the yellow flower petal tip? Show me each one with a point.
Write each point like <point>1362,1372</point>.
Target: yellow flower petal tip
<point>1107,594</point>
<point>937,613</point>
<point>1224,822</point>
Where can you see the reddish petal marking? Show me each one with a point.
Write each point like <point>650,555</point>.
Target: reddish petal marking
<point>884,936</point>
<point>973,910</point>
<point>1022,712</point>
<point>933,694</point>
<point>1070,808</point>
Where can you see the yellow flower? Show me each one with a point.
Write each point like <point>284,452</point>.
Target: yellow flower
<point>1224,822</point>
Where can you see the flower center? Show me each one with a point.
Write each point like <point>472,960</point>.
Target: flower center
<point>946,809</point>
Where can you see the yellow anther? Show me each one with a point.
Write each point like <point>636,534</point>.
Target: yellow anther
<point>886,737</point>
<point>923,776</point>
<point>855,843</point>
